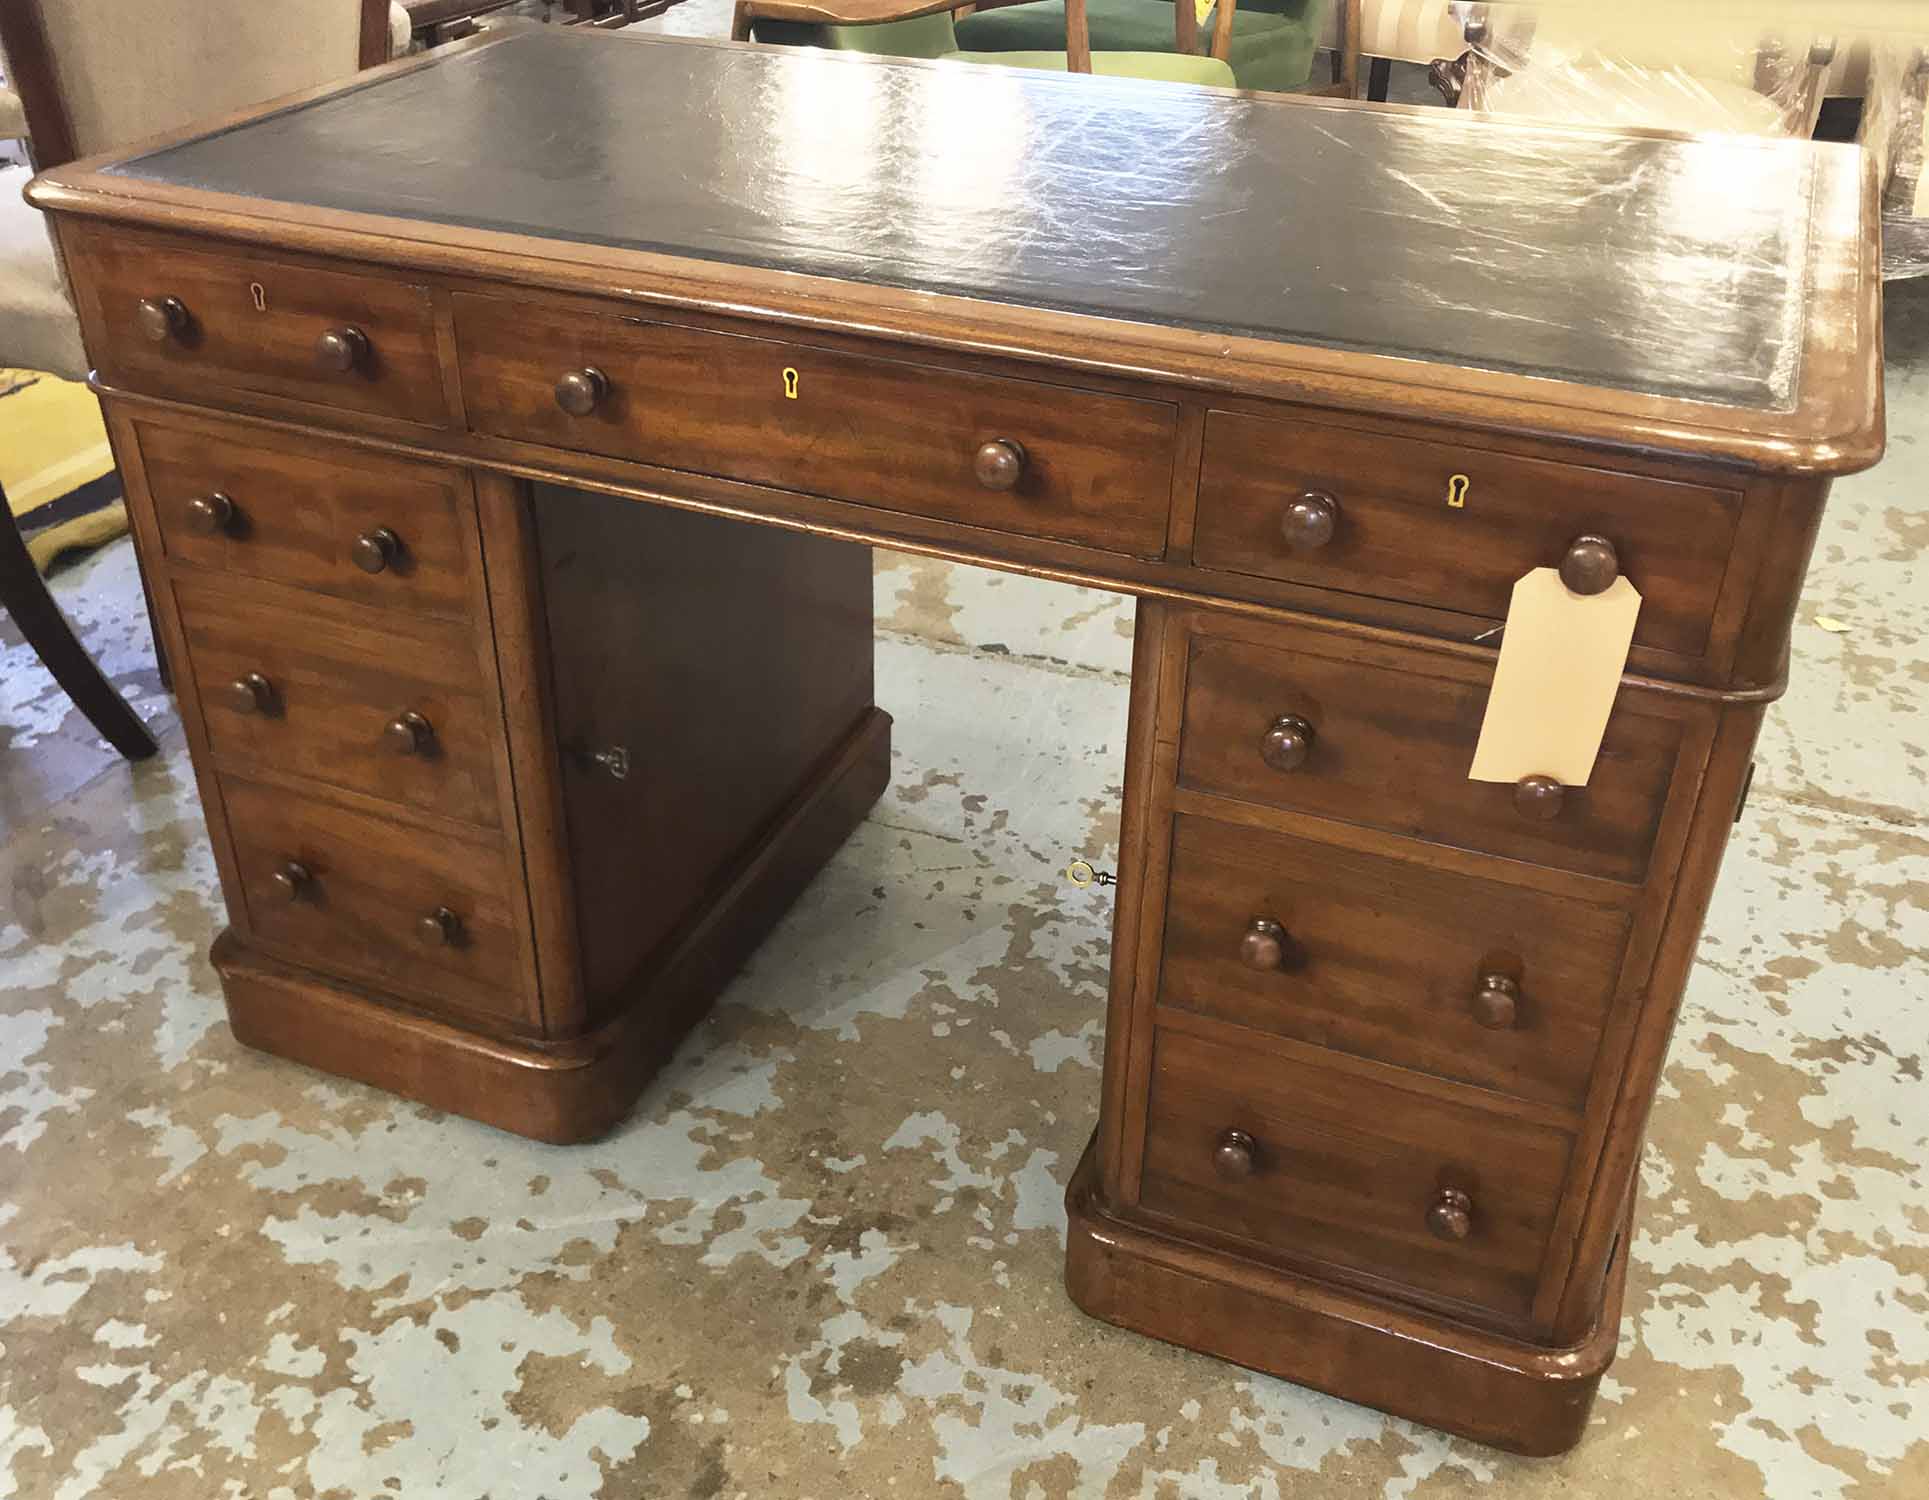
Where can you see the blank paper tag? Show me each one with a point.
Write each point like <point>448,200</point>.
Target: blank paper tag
<point>1560,667</point>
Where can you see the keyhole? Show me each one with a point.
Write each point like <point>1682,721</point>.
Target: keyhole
<point>260,295</point>
<point>790,385</point>
<point>1457,488</point>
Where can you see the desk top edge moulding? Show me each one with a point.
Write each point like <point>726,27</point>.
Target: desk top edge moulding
<point>507,489</point>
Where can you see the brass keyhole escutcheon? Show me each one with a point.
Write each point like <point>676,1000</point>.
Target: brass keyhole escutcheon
<point>1457,488</point>
<point>790,385</point>
<point>258,294</point>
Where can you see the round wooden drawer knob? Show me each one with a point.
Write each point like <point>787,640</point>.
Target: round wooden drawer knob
<point>580,392</point>
<point>161,318</point>
<point>293,880</point>
<point>1590,566</point>
<point>341,350</point>
<point>999,464</point>
<point>376,550</point>
<point>1539,798</point>
<point>1264,945</point>
<point>1233,1157</point>
<point>1452,1215</point>
<point>210,515</point>
<point>1496,1003</point>
<point>1310,521</point>
<point>1288,745</point>
<point>410,734</point>
<point>441,928</point>
<point>252,694</point>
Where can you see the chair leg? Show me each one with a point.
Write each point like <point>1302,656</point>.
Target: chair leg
<point>23,593</point>
<point>1379,79</point>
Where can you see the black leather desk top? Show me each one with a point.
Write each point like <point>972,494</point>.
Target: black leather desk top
<point>1670,266</point>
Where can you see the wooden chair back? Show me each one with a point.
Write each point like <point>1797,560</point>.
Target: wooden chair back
<point>1078,29</point>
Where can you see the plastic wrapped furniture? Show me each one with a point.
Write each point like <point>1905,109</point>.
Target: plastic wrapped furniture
<point>920,28</point>
<point>1716,67</point>
<point>1895,133</point>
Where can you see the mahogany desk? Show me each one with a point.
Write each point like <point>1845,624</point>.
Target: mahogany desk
<point>442,399</point>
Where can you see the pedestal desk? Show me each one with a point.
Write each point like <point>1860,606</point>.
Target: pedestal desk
<point>445,401</point>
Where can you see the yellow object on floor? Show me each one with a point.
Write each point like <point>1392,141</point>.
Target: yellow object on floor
<point>55,465</point>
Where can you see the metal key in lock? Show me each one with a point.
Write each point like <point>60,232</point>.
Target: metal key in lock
<point>612,760</point>
<point>1082,873</point>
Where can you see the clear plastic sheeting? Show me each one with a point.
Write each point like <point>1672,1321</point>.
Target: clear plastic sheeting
<point>1895,134</point>
<point>1671,266</point>
<point>1705,67</point>
<point>1739,67</point>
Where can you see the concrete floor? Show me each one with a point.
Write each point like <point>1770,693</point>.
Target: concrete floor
<point>822,1259</point>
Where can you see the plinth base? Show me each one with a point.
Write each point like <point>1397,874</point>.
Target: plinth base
<point>1462,1380</point>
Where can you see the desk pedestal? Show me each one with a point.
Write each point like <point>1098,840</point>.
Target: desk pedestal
<point>579,1089</point>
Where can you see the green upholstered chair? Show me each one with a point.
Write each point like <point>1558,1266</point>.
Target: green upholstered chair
<point>1271,46</point>
<point>923,29</point>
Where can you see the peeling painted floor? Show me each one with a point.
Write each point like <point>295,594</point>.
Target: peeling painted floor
<point>822,1259</point>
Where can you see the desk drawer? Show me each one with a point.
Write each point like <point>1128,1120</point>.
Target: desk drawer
<point>1069,465</point>
<point>1385,739</point>
<point>1351,1173</point>
<point>191,323</point>
<point>424,916</point>
<point>1393,533</point>
<point>396,709</point>
<point>1483,983</point>
<point>324,517</point>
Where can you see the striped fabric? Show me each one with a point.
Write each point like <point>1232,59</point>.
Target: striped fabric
<point>1409,30</point>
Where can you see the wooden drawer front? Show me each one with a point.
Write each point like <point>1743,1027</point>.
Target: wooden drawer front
<point>370,883</point>
<point>300,513</point>
<point>1393,736</point>
<point>1390,960</point>
<point>1397,537</point>
<point>1347,1172</point>
<point>356,699</point>
<point>249,323</point>
<point>1097,469</point>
